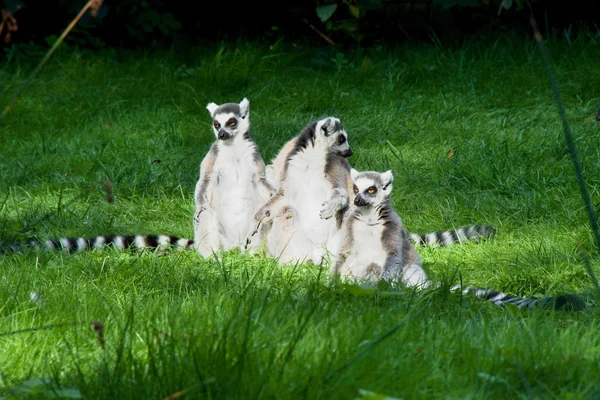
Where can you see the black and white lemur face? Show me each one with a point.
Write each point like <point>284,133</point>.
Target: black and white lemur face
<point>330,131</point>
<point>230,119</point>
<point>371,188</point>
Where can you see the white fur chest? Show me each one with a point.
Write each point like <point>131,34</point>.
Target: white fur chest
<point>367,249</point>
<point>234,189</point>
<point>306,189</point>
<point>235,170</point>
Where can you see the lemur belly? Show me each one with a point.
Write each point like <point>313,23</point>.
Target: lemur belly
<point>306,190</point>
<point>286,240</point>
<point>367,256</point>
<point>236,205</point>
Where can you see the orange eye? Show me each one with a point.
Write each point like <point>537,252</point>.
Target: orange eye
<point>372,190</point>
<point>217,125</point>
<point>355,189</point>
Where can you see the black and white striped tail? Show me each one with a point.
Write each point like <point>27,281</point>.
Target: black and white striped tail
<point>567,302</point>
<point>447,238</point>
<point>75,245</point>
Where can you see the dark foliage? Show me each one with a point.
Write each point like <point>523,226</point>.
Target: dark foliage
<point>134,23</point>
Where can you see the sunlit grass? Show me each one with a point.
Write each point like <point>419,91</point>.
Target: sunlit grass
<point>472,136</point>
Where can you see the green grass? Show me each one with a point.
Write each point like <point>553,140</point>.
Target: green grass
<point>243,327</point>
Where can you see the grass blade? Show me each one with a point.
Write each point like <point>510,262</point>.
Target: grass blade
<point>95,4</point>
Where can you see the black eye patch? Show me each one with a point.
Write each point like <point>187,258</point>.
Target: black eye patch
<point>231,122</point>
<point>341,139</point>
<point>371,190</point>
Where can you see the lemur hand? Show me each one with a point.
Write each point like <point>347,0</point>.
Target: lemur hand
<point>329,208</point>
<point>338,200</point>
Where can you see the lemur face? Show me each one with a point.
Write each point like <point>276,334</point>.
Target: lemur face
<point>331,132</point>
<point>230,119</point>
<point>371,188</point>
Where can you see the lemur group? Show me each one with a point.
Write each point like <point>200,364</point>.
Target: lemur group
<point>307,205</point>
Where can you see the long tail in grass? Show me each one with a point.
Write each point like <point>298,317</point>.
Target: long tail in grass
<point>449,237</point>
<point>560,302</point>
<point>75,245</point>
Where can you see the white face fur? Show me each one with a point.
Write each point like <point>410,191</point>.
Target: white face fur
<point>330,133</point>
<point>230,119</point>
<point>371,188</point>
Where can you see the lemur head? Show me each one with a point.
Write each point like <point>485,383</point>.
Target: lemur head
<point>230,119</point>
<point>331,133</point>
<point>371,188</point>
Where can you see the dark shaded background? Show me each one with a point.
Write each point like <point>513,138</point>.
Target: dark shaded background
<point>157,23</point>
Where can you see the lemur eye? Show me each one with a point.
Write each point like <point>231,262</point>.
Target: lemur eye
<point>217,125</point>
<point>355,189</point>
<point>341,139</point>
<point>372,190</point>
<point>232,122</point>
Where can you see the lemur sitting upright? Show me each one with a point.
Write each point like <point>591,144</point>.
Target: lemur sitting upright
<point>232,184</point>
<point>231,187</point>
<point>313,187</point>
<point>376,246</point>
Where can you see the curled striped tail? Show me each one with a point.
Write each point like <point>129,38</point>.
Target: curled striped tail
<point>564,302</point>
<point>121,242</point>
<point>449,237</point>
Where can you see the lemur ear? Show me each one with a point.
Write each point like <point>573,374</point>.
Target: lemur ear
<point>354,174</point>
<point>327,125</point>
<point>244,107</point>
<point>211,107</point>
<point>387,178</point>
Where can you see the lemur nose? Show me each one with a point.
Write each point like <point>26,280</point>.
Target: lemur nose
<point>223,135</point>
<point>359,201</point>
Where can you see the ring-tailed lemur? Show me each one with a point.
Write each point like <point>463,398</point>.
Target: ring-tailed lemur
<point>375,243</point>
<point>232,184</point>
<point>376,246</point>
<point>314,185</point>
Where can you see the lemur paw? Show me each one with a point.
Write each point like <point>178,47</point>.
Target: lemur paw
<point>250,240</point>
<point>329,208</point>
<point>338,200</point>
